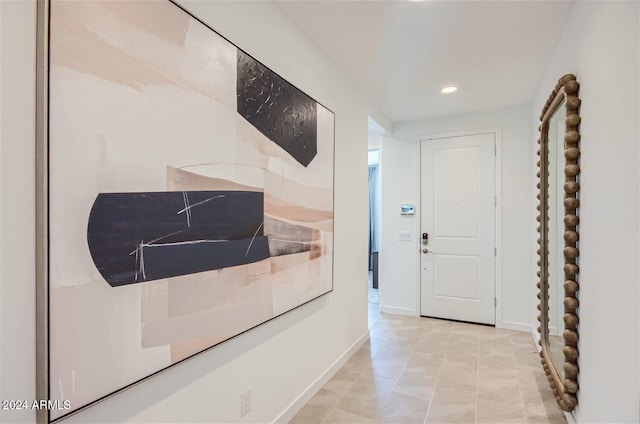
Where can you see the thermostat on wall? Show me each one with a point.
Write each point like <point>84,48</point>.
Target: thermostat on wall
<point>407,209</point>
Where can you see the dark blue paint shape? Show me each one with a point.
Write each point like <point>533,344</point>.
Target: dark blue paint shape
<point>280,111</point>
<point>137,237</point>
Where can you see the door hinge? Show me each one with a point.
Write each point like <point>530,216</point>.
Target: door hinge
<point>495,301</point>
<point>495,201</point>
<point>495,251</point>
<point>495,150</point>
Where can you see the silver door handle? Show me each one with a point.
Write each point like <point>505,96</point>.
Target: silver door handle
<point>425,250</point>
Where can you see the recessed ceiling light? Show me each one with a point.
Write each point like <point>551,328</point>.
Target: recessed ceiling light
<point>449,89</point>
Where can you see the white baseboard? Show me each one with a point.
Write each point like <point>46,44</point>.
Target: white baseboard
<point>516,326</point>
<point>536,338</point>
<point>315,387</point>
<point>398,311</point>
<point>570,418</point>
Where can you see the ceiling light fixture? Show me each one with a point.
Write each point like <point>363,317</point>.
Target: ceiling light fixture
<point>449,89</point>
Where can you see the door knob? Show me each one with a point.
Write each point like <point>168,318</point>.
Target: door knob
<point>425,250</point>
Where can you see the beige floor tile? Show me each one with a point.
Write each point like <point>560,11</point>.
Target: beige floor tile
<point>461,357</point>
<point>538,394</point>
<point>454,394</point>
<point>423,370</point>
<point>448,371</point>
<point>500,392</point>
<point>495,334</point>
<point>457,374</point>
<point>545,412</point>
<point>434,335</point>
<point>365,405</point>
<point>358,363</point>
<point>374,315</point>
<point>370,348</point>
<point>462,345</point>
<point>401,345</point>
<point>433,358</point>
<point>465,328</point>
<point>380,332</point>
<point>417,391</point>
<point>437,326</point>
<point>500,413</point>
<point>409,328</point>
<point>367,395</point>
<point>389,363</point>
<point>342,381</point>
<point>416,377</point>
<point>489,330</point>
<point>374,385</point>
<point>338,416</point>
<point>431,346</point>
<point>451,412</point>
<point>521,337</point>
<point>547,420</point>
<point>433,329</point>
<point>527,357</point>
<point>496,350</point>
<point>532,376</point>
<point>497,355</point>
<point>318,408</point>
<point>415,384</point>
<point>400,408</point>
<point>464,336</point>
<point>377,344</point>
<point>496,373</point>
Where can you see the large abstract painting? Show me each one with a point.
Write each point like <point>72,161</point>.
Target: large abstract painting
<point>190,194</point>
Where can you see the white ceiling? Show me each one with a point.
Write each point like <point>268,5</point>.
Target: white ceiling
<point>400,53</point>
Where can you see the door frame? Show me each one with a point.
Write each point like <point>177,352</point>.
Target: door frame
<point>497,132</point>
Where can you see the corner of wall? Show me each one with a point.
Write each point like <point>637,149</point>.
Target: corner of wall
<point>399,258</point>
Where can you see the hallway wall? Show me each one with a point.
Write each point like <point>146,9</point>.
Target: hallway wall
<point>279,360</point>
<point>17,206</point>
<point>399,260</point>
<point>600,46</point>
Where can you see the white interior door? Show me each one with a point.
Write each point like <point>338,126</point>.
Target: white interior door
<point>458,214</point>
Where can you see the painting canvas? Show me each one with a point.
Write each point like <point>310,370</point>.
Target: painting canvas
<point>190,194</point>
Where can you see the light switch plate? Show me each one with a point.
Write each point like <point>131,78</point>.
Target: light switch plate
<point>405,236</point>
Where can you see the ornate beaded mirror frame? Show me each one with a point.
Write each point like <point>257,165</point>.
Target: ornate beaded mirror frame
<point>564,380</point>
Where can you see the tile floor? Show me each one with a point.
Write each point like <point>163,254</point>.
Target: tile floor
<point>422,370</point>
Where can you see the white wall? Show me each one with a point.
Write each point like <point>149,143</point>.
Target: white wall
<point>399,277</point>
<point>279,360</point>
<point>397,259</point>
<point>374,140</point>
<point>600,45</point>
<point>17,206</point>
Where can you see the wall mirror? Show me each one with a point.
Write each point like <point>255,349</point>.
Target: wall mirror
<point>559,202</point>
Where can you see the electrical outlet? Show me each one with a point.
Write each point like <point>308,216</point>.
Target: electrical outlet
<point>245,402</point>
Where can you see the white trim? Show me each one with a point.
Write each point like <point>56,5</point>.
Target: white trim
<point>498,225</point>
<point>536,338</point>
<point>385,309</point>
<point>570,418</point>
<point>418,210</point>
<point>517,326</point>
<point>461,133</point>
<point>497,132</point>
<point>295,406</point>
